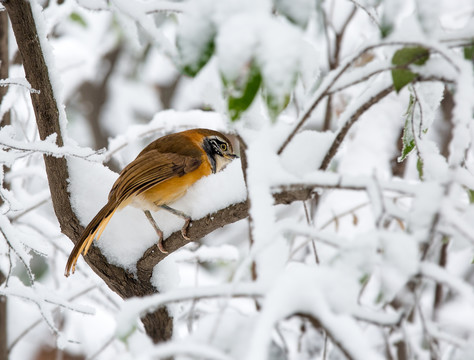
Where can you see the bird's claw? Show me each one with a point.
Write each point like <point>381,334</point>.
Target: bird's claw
<point>184,230</point>
<point>159,244</point>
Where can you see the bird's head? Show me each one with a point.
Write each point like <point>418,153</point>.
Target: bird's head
<point>218,148</point>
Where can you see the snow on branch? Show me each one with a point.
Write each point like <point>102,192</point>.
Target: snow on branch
<point>19,82</point>
<point>134,308</point>
<point>439,274</point>
<point>188,348</point>
<point>137,12</point>
<point>16,149</point>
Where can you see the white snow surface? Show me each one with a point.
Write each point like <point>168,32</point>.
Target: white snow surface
<point>327,303</point>
<point>343,266</point>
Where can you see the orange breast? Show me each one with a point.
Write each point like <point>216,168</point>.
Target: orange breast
<point>174,188</point>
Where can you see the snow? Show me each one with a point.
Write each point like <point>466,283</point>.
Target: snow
<point>197,32</point>
<point>47,146</point>
<point>323,301</point>
<point>298,11</point>
<point>428,13</point>
<point>425,204</point>
<point>133,14</point>
<point>439,274</point>
<point>276,51</point>
<point>174,349</point>
<point>398,262</point>
<point>367,227</point>
<point>133,308</point>
<point>166,275</point>
<point>236,45</point>
<point>279,57</point>
<point>462,114</point>
<point>51,64</point>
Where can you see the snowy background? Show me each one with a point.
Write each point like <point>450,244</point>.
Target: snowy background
<point>375,263</point>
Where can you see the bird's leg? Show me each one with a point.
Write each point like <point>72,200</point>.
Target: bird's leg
<point>158,231</point>
<point>187,219</point>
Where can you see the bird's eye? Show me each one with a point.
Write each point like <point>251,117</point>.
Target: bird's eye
<point>224,147</point>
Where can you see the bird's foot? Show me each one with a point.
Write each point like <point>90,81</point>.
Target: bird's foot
<point>160,243</point>
<point>184,229</point>
<point>157,230</point>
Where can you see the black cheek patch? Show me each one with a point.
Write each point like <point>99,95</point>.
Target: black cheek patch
<point>207,146</point>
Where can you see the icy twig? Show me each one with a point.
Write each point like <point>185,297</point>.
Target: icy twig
<point>19,82</point>
<point>40,319</point>
<point>441,275</point>
<point>134,308</point>
<point>164,6</point>
<point>188,349</point>
<point>50,148</point>
<point>369,14</point>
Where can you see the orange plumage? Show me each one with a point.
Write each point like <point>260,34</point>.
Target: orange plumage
<point>159,175</point>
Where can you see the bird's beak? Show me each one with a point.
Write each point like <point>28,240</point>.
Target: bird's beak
<point>231,156</point>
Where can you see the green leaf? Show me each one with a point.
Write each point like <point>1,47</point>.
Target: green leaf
<point>274,105</point>
<point>195,44</point>
<point>299,13</point>
<point>401,78</point>
<point>469,53</point>
<point>416,55</point>
<point>408,139</point>
<point>470,194</point>
<point>278,100</point>
<point>379,298</point>
<point>385,29</point>
<point>419,168</point>
<point>364,279</point>
<point>78,19</point>
<point>242,92</point>
<point>192,68</point>
<point>408,146</point>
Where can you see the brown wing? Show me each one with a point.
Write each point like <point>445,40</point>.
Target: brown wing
<point>149,169</point>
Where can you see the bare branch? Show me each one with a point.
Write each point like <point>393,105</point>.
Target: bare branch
<point>341,134</point>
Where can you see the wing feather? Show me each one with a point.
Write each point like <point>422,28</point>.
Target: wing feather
<point>150,169</point>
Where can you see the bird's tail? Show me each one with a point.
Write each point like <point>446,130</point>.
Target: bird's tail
<point>93,230</point>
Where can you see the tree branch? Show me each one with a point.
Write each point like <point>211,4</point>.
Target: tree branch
<point>341,134</point>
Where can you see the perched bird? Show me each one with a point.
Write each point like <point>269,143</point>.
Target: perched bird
<point>159,175</point>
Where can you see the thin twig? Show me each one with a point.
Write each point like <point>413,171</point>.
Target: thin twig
<point>369,14</point>
<point>310,223</point>
<point>40,320</point>
<point>345,129</point>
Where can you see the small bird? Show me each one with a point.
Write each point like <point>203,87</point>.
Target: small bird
<point>159,175</point>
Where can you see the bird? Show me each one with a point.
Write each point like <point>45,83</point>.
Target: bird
<point>160,174</point>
